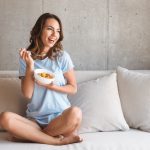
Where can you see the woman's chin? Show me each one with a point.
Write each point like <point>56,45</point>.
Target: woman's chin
<point>48,46</point>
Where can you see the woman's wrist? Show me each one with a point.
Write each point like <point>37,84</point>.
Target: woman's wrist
<point>29,71</point>
<point>30,67</point>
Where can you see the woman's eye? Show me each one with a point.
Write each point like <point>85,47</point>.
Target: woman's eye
<point>49,29</point>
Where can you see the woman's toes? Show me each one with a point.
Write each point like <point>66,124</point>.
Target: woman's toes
<point>80,139</point>
<point>71,139</point>
<point>77,138</point>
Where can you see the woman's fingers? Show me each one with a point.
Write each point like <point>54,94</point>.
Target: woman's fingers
<point>22,51</point>
<point>24,54</point>
<point>28,55</point>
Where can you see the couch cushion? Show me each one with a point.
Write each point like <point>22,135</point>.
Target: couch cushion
<point>82,76</point>
<point>100,104</point>
<point>134,91</point>
<point>129,140</point>
<point>10,96</point>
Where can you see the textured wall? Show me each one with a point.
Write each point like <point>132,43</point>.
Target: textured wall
<point>99,34</point>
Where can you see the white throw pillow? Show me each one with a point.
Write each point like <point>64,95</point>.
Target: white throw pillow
<point>100,105</point>
<point>134,91</point>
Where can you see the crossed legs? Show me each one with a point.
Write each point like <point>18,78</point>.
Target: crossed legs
<point>65,124</point>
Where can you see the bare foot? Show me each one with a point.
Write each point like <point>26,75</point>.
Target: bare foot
<point>70,139</point>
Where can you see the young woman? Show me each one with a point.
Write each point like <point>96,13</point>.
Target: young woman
<point>50,118</point>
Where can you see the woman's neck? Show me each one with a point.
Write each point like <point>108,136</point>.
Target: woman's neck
<point>45,50</point>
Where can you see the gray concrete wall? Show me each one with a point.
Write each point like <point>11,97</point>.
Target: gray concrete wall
<point>99,34</point>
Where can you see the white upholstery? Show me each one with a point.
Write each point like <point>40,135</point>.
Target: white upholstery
<point>134,90</point>
<point>118,140</point>
<point>100,104</point>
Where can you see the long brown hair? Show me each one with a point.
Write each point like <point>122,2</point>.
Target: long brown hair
<point>36,43</point>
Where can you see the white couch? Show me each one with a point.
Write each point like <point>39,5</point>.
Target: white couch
<point>12,100</point>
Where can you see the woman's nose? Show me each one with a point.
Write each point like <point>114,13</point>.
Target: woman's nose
<point>54,33</point>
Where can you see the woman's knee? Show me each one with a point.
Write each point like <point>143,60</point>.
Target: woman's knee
<point>5,119</point>
<point>74,115</point>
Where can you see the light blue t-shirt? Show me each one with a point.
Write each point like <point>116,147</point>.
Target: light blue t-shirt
<point>46,104</point>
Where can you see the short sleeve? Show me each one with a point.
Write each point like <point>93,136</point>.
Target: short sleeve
<point>22,68</point>
<point>65,62</point>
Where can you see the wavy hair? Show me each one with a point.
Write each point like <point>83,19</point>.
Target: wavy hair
<point>36,43</point>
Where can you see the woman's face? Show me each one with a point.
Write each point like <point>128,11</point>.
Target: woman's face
<point>51,33</point>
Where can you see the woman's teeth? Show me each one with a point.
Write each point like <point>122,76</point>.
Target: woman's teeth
<point>51,40</point>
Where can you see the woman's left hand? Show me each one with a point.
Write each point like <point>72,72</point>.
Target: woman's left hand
<point>49,86</point>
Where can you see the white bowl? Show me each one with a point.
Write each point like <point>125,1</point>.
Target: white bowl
<point>41,79</point>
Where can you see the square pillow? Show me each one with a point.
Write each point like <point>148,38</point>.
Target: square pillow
<point>100,105</point>
<point>11,98</point>
<point>134,91</point>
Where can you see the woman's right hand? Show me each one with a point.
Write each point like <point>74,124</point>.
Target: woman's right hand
<point>26,56</point>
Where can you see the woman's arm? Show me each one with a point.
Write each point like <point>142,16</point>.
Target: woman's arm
<point>27,82</point>
<point>69,88</point>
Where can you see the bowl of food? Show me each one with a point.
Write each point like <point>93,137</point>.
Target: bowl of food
<point>44,76</point>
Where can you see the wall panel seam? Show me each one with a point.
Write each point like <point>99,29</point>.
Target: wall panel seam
<point>107,37</point>
<point>42,6</point>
